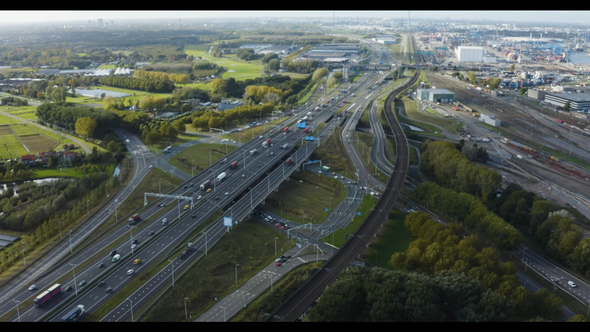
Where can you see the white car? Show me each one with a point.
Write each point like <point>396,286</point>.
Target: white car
<point>134,246</point>
<point>571,283</point>
<point>335,177</point>
<point>226,193</point>
<point>199,197</point>
<point>32,287</point>
<point>130,271</point>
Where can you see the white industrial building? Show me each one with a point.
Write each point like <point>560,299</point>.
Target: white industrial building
<point>489,119</point>
<point>229,104</point>
<point>470,53</point>
<point>490,59</point>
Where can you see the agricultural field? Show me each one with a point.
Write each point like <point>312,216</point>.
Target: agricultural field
<point>23,130</point>
<point>107,67</point>
<point>135,95</point>
<point>10,147</point>
<point>7,120</point>
<point>39,143</point>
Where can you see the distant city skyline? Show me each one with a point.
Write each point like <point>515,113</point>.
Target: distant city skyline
<point>39,17</point>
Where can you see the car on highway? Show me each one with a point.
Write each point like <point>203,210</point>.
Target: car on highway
<point>572,284</point>
<point>226,193</point>
<point>288,257</point>
<point>194,216</point>
<point>186,207</point>
<point>151,233</point>
<point>209,190</point>
<point>130,271</point>
<point>82,283</point>
<point>135,241</point>
<point>69,288</point>
<point>277,260</point>
<point>279,263</point>
<point>113,253</point>
<point>278,225</point>
<point>283,228</point>
<point>217,198</point>
<point>101,265</point>
<point>151,166</point>
<point>32,287</point>
<point>134,246</point>
<point>137,261</point>
<point>100,284</point>
<point>108,290</point>
<point>336,177</point>
<point>199,197</point>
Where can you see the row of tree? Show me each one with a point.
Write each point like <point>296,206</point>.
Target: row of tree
<point>466,208</point>
<point>299,66</point>
<point>209,119</point>
<point>132,83</point>
<point>453,170</point>
<point>162,76</point>
<point>230,88</point>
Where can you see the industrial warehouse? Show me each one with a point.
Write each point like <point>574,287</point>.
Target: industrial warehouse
<point>579,102</point>
<point>443,96</point>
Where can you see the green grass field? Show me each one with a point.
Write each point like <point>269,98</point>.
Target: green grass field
<point>334,155</point>
<point>392,238</point>
<point>408,104</point>
<point>338,237</point>
<point>200,154</point>
<point>250,244</point>
<point>7,120</point>
<point>236,68</point>
<point>306,201</point>
<point>107,67</point>
<point>23,130</point>
<point>435,119</point>
<point>135,95</point>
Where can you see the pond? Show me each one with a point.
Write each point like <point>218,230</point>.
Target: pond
<point>413,127</point>
<point>14,185</point>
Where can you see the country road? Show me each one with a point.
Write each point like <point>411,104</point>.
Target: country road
<point>80,143</point>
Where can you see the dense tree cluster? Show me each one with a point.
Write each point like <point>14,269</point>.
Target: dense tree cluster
<point>380,295</point>
<point>14,101</point>
<point>453,170</point>
<point>177,68</point>
<point>149,85</point>
<point>299,66</point>
<point>161,76</point>
<point>438,248</point>
<point>228,88</point>
<point>466,208</point>
<point>67,115</point>
<point>472,152</point>
<point>247,54</point>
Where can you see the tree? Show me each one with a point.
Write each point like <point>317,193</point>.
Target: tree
<point>153,137</point>
<point>85,126</point>
<point>337,75</point>
<point>274,64</point>
<point>112,146</point>
<point>566,107</point>
<point>108,101</point>
<point>72,83</point>
<point>179,126</point>
<point>471,77</point>
<point>512,67</point>
<point>578,318</point>
<point>319,74</point>
<point>523,91</point>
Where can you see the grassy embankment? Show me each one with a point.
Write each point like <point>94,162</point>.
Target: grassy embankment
<point>392,238</point>
<point>198,156</point>
<point>250,244</point>
<point>305,197</point>
<point>340,236</point>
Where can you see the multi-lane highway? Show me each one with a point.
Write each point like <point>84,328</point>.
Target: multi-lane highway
<point>146,231</point>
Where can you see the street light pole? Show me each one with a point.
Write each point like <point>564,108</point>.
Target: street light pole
<point>160,186</point>
<point>132,320</point>
<point>276,238</point>
<point>210,156</point>
<point>87,209</point>
<point>172,272</point>
<point>192,168</point>
<point>17,311</point>
<point>23,250</point>
<point>237,273</point>
<point>60,237</point>
<point>74,272</point>
<point>70,241</point>
<point>185,311</point>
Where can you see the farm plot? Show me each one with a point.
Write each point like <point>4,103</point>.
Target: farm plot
<point>7,120</point>
<point>39,143</point>
<point>10,147</point>
<point>22,130</point>
<point>5,130</point>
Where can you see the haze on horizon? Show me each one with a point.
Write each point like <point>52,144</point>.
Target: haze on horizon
<point>36,17</point>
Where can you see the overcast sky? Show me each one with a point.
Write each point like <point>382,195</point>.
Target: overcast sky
<point>510,16</point>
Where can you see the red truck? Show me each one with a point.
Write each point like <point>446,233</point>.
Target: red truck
<point>134,218</point>
<point>233,165</point>
<point>306,130</point>
<point>455,108</point>
<point>286,129</point>
<point>288,161</point>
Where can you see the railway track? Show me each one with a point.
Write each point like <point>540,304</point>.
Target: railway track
<point>292,308</point>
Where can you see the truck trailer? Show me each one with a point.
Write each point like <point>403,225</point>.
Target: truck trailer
<point>205,185</point>
<point>74,314</point>
<point>134,218</point>
<point>288,161</point>
<point>233,165</point>
<point>221,176</point>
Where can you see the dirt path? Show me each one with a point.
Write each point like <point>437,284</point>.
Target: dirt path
<point>77,141</point>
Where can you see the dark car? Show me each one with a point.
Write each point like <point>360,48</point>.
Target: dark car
<point>283,257</point>
<point>113,253</point>
<point>109,290</point>
<point>184,187</point>
<point>69,288</point>
<point>288,257</point>
<point>100,284</point>
<point>151,233</point>
<point>192,184</point>
<point>135,241</point>
<point>194,216</point>
<point>101,265</point>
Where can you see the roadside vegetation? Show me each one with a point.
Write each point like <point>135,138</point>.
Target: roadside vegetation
<point>333,154</point>
<point>200,156</point>
<point>340,236</point>
<point>392,238</point>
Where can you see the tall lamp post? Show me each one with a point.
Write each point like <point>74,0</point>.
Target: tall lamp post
<point>172,271</point>
<point>185,310</point>
<point>276,238</point>
<point>17,311</point>
<point>237,273</point>
<point>23,250</point>
<point>70,241</point>
<point>128,299</point>
<point>74,272</point>
<point>192,168</point>
<point>160,186</point>
<point>87,208</point>
<point>60,230</point>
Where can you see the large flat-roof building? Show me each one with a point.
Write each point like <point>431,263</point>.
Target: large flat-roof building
<point>470,53</point>
<point>579,102</point>
<point>490,119</point>
<point>443,96</point>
